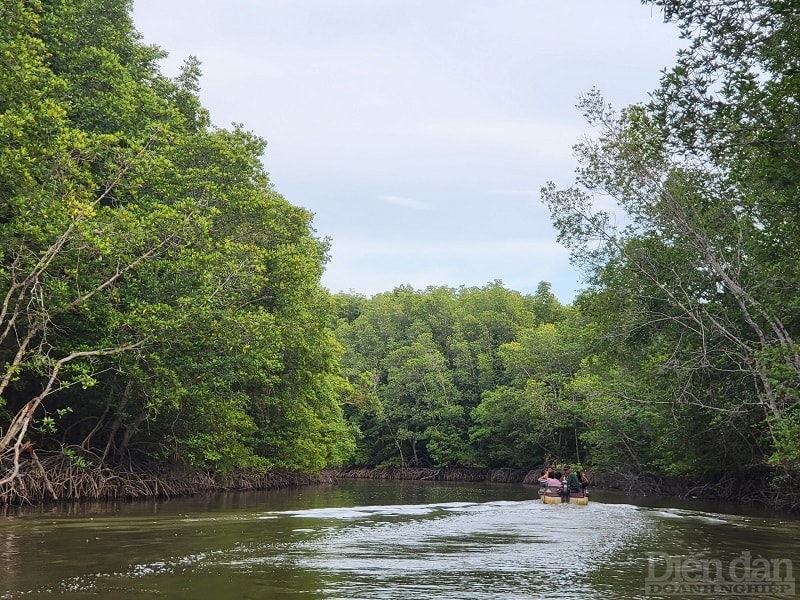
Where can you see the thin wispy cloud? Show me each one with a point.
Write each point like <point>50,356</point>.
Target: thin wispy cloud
<point>405,202</point>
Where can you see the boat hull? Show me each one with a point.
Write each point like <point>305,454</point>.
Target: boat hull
<point>552,495</point>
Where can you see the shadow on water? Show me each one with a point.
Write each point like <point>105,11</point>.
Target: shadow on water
<point>375,539</point>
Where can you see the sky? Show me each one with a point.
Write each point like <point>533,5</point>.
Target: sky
<point>418,132</point>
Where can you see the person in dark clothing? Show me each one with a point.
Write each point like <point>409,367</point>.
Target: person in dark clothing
<point>572,482</point>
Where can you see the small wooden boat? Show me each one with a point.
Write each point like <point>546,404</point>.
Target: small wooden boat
<point>553,495</point>
<point>581,498</point>
<point>550,494</point>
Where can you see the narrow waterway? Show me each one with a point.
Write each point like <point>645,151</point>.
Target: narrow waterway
<point>396,540</point>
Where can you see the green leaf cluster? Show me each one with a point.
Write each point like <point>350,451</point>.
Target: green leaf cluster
<point>459,377</point>
<point>153,282</point>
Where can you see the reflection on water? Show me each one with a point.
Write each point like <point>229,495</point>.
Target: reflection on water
<point>362,539</point>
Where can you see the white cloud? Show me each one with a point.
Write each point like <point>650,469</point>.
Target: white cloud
<point>405,202</point>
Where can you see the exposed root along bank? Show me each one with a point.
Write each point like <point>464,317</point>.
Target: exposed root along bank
<point>56,477</point>
<point>776,490</point>
<point>466,475</point>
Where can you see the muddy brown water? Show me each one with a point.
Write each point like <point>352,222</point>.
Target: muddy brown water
<point>397,540</point>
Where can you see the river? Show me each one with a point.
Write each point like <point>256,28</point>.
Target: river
<point>396,540</point>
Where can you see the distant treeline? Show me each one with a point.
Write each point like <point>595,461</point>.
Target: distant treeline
<point>492,378</point>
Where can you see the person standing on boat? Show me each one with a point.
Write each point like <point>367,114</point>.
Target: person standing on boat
<point>572,482</point>
<point>544,476</point>
<point>584,480</point>
<point>543,480</point>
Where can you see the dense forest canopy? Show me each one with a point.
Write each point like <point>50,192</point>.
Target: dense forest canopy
<point>467,377</point>
<point>160,300</point>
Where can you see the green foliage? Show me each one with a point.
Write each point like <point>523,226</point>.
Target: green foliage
<point>786,450</point>
<point>694,272</point>
<point>512,426</point>
<point>433,367</point>
<point>155,284</point>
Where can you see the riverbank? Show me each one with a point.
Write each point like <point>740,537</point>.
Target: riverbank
<point>57,477</point>
<point>472,475</point>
